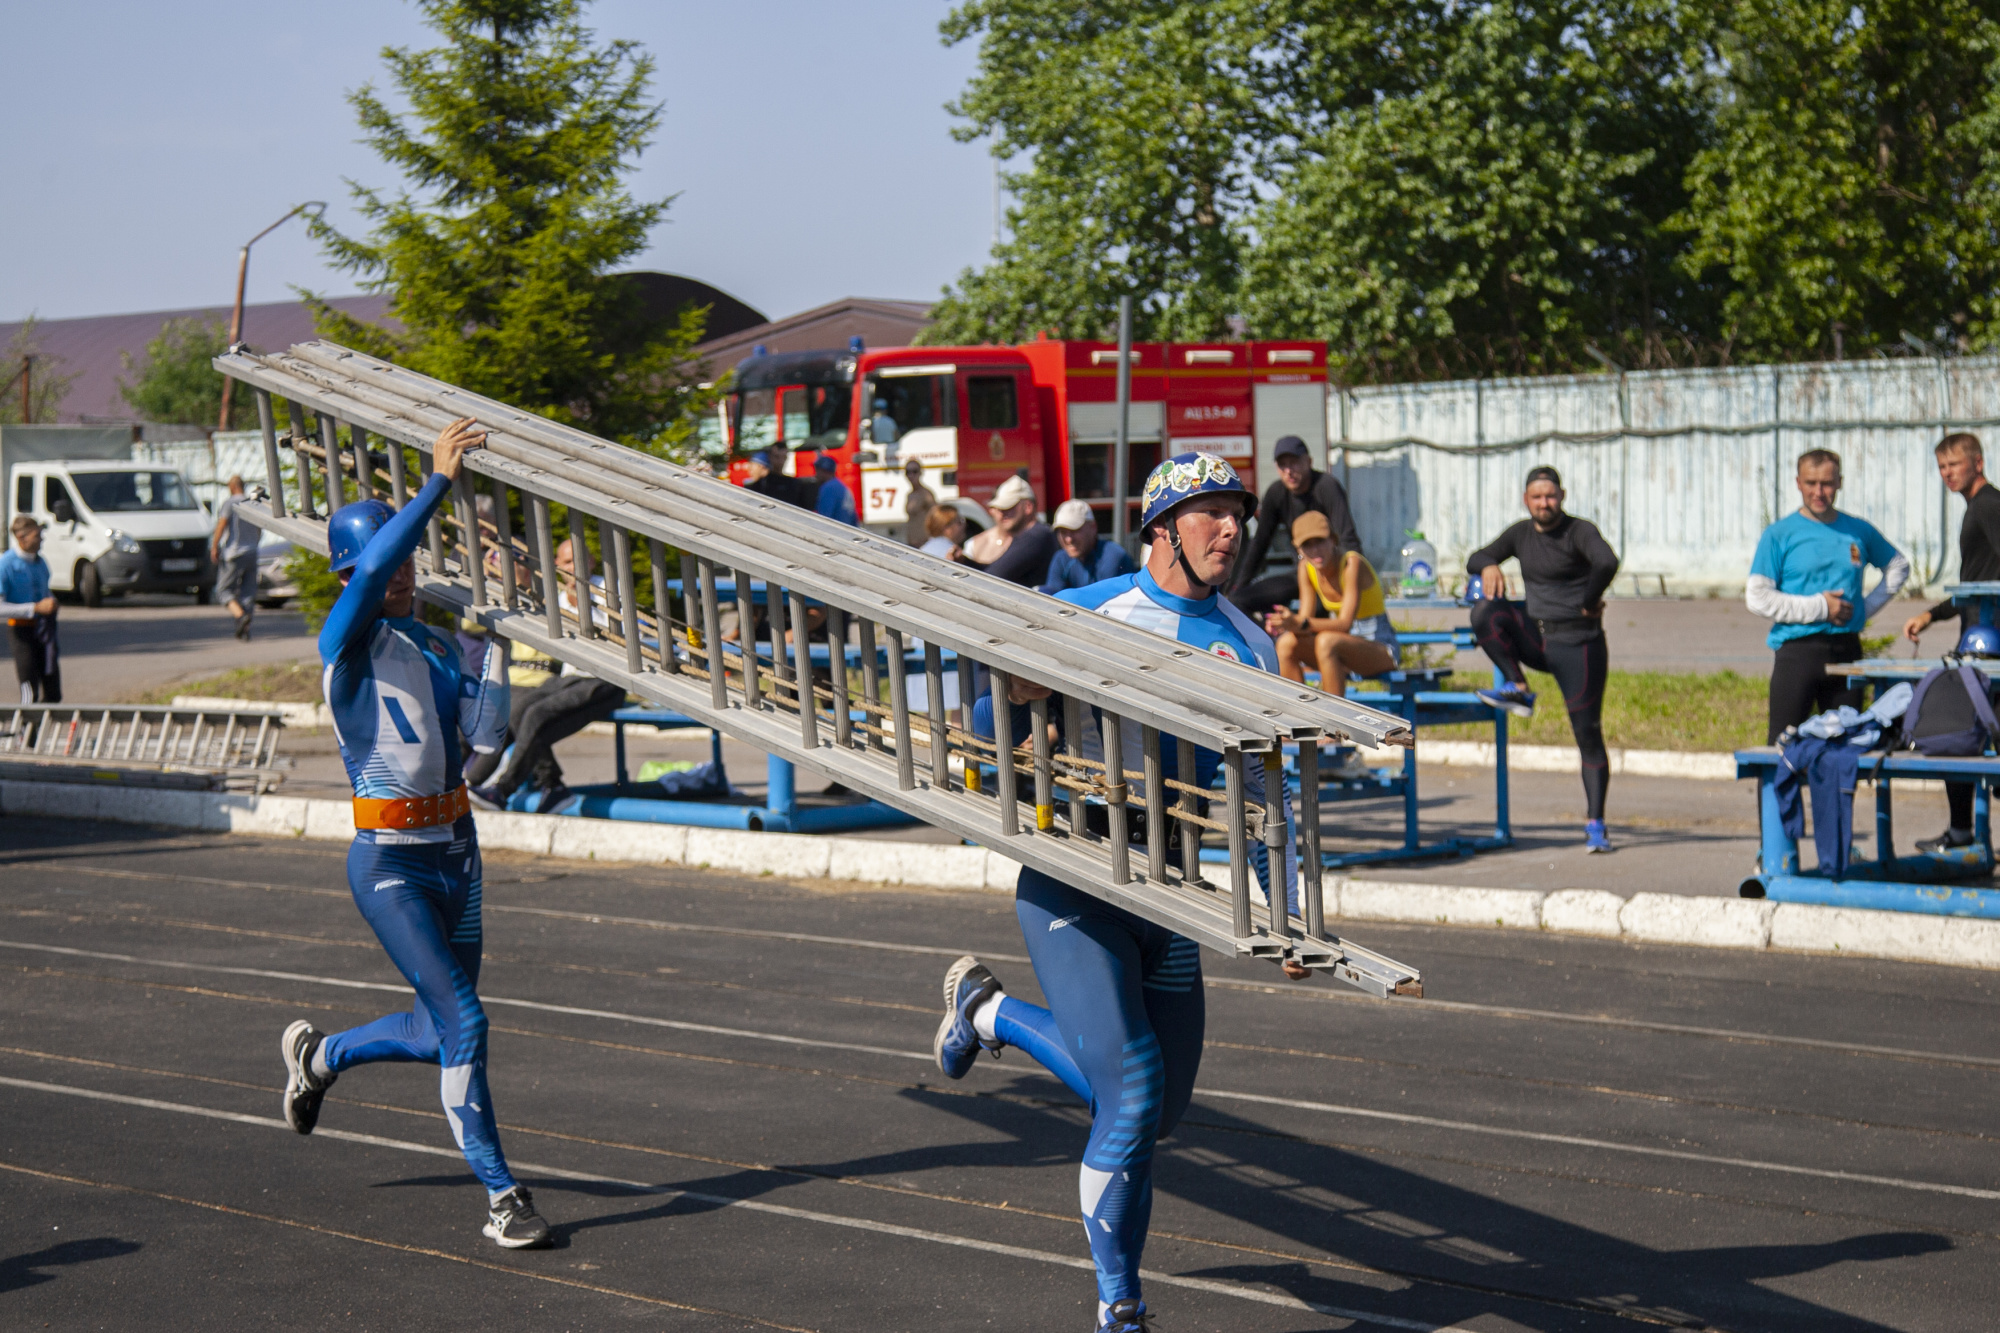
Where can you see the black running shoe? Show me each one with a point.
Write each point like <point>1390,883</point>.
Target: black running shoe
<point>1127,1316</point>
<point>303,1088</point>
<point>513,1223</point>
<point>1950,840</point>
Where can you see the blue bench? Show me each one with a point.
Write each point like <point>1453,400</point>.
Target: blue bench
<point>1915,883</point>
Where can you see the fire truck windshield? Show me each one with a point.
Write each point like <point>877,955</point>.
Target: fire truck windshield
<point>912,402</point>
<point>804,416</point>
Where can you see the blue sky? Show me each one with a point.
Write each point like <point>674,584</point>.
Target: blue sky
<point>145,142</point>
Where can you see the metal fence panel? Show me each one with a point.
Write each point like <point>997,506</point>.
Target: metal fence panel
<point>1682,470</point>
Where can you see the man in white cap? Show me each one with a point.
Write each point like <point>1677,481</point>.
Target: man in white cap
<point>1019,546</point>
<point>1084,559</point>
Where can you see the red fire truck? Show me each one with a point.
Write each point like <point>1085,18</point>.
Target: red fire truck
<point>976,415</point>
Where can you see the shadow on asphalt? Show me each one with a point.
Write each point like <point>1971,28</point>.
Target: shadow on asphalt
<point>24,1270</point>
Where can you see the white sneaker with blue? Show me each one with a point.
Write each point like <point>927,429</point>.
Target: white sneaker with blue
<point>967,985</point>
<point>1594,839</point>
<point>1516,699</point>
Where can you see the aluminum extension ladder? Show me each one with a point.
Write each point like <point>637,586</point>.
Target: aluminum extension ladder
<point>869,591</point>
<point>143,745</point>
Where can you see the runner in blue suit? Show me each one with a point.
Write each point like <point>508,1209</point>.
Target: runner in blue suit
<point>399,704</point>
<point>1124,1024</point>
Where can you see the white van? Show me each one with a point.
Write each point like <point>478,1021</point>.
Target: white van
<point>110,528</point>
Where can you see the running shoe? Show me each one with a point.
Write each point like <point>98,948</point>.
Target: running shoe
<point>303,1088</point>
<point>486,798</point>
<point>1594,839</point>
<point>1516,699</point>
<point>967,984</point>
<point>513,1223</point>
<point>1127,1316</point>
<point>1950,840</point>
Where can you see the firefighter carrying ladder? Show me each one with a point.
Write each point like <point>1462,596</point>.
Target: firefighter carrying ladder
<point>873,592</point>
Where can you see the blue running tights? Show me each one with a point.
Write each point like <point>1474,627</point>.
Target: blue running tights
<point>1124,1031</point>
<point>422,900</point>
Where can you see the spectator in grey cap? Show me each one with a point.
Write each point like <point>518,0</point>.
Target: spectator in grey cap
<point>1083,559</point>
<point>1300,487</point>
<point>1019,546</point>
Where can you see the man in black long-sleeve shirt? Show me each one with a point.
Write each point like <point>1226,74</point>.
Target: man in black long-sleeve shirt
<point>1566,565</point>
<point>1300,487</point>
<point>1961,462</point>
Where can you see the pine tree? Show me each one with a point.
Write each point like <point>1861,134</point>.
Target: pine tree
<point>497,253</point>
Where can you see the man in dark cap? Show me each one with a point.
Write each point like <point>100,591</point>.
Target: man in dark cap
<point>1300,487</point>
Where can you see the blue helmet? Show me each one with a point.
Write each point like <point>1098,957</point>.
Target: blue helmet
<point>1979,641</point>
<point>350,529</point>
<point>1190,476</point>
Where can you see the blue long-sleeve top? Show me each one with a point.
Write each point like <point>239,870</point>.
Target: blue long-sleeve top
<point>394,686</point>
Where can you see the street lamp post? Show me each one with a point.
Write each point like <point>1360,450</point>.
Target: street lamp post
<point>242,277</point>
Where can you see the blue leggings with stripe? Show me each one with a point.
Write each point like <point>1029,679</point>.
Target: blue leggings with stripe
<point>422,900</point>
<point>1124,1031</point>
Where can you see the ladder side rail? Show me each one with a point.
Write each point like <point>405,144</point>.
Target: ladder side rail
<point>1363,724</point>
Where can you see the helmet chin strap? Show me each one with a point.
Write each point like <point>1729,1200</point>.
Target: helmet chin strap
<point>1180,555</point>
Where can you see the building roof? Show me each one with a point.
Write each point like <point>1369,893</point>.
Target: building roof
<point>877,323</point>
<point>93,348</point>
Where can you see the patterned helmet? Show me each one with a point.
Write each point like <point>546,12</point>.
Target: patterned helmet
<point>1190,476</point>
<point>350,529</point>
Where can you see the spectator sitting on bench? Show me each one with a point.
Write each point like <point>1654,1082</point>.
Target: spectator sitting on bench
<point>1342,624</point>
<point>539,718</point>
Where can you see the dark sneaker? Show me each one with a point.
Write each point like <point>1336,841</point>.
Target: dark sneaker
<point>513,1223</point>
<point>486,798</point>
<point>552,799</point>
<point>967,983</point>
<point>1514,698</point>
<point>1127,1316</point>
<point>1594,839</point>
<point>303,1088</point>
<point>1950,840</point>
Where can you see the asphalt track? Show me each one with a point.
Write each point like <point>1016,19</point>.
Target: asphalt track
<point>721,1092</point>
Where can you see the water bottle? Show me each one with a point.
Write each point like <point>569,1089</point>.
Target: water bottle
<point>1419,565</point>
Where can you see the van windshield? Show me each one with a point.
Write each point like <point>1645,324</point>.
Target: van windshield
<point>126,492</point>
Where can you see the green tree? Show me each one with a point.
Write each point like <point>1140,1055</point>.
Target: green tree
<point>1852,180</point>
<point>177,381</point>
<point>1139,120</point>
<point>497,253</point>
<point>1497,208</point>
<point>48,382</point>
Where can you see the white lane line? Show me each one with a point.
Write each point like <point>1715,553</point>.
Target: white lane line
<point>1469,1127</point>
<point>1244,1293</point>
<point>1212,983</point>
<point>613,1015</point>
<point>1464,1126</point>
<point>601,918</point>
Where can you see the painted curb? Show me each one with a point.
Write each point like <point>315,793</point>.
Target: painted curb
<point>1583,912</point>
<point>1651,918</point>
<point>1382,900</point>
<point>1699,765</point>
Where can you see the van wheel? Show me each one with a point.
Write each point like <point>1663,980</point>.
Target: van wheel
<point>89,585</point>
<point>204,595</point>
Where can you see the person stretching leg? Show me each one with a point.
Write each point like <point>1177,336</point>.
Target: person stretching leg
<point>1567,566</point>
<point>398,706</point>
<point>1125,1020</point>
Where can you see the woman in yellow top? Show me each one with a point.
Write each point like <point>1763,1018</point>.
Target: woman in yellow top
<point>1342,626</point>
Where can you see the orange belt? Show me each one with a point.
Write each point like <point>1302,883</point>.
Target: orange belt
<point>412,811</point>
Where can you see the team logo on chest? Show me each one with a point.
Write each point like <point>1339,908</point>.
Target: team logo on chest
<point>1225,650</point>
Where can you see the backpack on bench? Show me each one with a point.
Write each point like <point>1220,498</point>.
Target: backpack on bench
<point>1951,713</point>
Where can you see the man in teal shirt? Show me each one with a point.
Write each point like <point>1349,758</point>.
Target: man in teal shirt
<point>1806,576</point>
